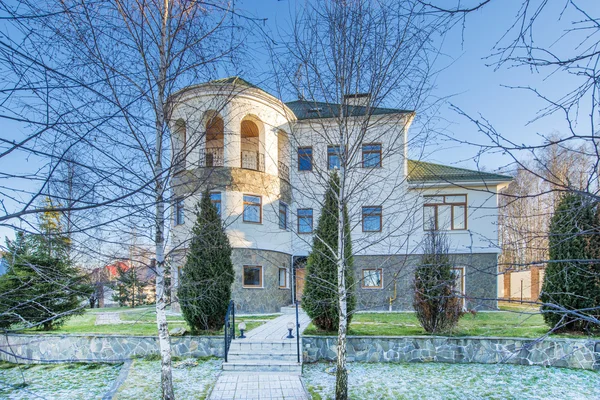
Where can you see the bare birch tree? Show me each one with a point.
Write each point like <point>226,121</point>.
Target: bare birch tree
<point>359,69</point>
<point>99,76</point>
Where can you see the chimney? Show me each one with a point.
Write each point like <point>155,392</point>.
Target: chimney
<point>358,99</point>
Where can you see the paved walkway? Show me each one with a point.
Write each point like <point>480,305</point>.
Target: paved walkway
<point>276,329</point>
<point>255,385</point>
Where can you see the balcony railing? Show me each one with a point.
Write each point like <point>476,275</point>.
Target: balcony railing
<point>211,157</point>
<point>253,160</point>
<point>284,171</point>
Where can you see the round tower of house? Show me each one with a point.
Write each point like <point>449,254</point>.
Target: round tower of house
<point>231,138</point>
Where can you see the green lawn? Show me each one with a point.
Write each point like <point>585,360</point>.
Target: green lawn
<point>520,323</point>
<point>138,321</point>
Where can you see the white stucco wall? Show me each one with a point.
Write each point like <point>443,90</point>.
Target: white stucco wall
<point>402,205</point>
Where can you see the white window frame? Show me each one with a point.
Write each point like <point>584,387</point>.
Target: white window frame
<point>287,278</point>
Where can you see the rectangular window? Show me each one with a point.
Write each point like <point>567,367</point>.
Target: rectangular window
<point>252,276</point>
<point>179,216</point>
<point>371,155</point>
<point>283,281</point>
<point>445,212</point>
<point>372,278</point>
<point>283,212</point>
<point>305,158</point>
<point>252,209</point>
<point>215,198</point>
<point>333,157</point>
<point>371,219</point>
<point>305,220</point>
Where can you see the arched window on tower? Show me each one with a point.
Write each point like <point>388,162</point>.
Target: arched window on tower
<point>251,156</point>
<point>213,152</point>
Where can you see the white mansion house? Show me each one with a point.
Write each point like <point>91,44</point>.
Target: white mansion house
<point>266,164</point>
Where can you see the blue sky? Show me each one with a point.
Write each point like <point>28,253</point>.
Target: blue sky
<point>465,80</point>
<point>468,83</point>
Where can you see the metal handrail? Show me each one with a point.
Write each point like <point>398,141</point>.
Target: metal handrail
<point>211,157</point>
<point>297,332</point>
<point>253,160</point>
<point>229,327</point>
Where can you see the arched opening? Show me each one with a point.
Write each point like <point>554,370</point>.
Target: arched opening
<point>179,143</point>
<point>213,152</point>
<point>283,155</point>
<point>251,156</point>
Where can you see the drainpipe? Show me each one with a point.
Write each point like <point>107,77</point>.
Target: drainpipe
<point>293,279</point>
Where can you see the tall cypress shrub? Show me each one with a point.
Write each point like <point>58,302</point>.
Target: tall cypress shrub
<point>571,282</point>
<point>437,305</point>
<point>320,297</point>
<point>205,287</point>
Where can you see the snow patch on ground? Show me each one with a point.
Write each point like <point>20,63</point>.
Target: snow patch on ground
<point>56,381</point>
<point>454,381</point>
<point>191,379</point>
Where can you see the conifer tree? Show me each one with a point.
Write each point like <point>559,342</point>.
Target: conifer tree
<point>320,297</point>
<point>129,288</point>
<point>205,287</point>
<point>571,283</point>
<point>436,304</point>
<point>41,288</point>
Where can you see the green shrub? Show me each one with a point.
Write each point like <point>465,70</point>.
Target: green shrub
<point>320,297</point>
<point>571,288</point>
<point>205,287</point>
<point>436,303</point>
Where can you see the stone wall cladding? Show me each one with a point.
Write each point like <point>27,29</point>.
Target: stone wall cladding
<point>231,179</point>
<point>480,280</point>
<point>569,353</point>
<point>270,298</point>
<point>106,348</point>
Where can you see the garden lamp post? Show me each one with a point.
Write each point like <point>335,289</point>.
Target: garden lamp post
<point>242,327</point>
<point>290,326</point>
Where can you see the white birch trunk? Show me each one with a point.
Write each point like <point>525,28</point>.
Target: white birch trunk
<point>341,376</point>
<point>164,340</point>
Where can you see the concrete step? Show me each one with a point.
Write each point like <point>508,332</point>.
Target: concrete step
<point>289,367</point>
<point>248,346</point>
<point>291,309</point>
<point>251,356</point>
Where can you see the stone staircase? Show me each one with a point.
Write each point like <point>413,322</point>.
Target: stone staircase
<point>266,349</point>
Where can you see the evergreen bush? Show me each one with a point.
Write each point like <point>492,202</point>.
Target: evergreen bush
<point>437,305</point>
<point>205,286</point>
<point>571,288</point>
<point>41,287</point>
<point>320,296</point>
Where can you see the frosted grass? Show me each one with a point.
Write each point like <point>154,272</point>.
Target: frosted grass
<point>454,381</point>
<point>56,381</point>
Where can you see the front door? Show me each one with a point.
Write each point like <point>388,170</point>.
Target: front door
<point>300,282</point>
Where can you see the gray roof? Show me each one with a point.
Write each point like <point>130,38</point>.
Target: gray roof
<point>304,109</point>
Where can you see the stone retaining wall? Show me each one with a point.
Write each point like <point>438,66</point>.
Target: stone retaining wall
<point>570,353</point>
<point>106,348</point>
